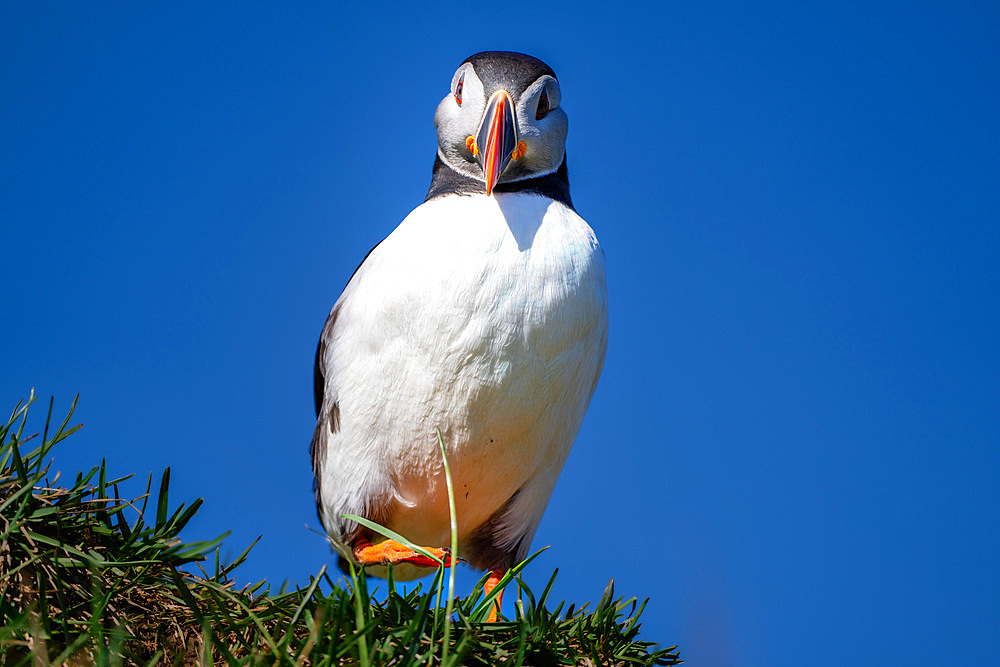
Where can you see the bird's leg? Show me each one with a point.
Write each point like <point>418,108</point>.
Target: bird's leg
<point>491,583</point>
<point>391,552</point>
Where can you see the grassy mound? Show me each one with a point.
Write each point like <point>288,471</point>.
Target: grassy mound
<point>87,577</point>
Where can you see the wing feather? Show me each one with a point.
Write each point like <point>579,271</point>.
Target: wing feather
<point>326,415</point>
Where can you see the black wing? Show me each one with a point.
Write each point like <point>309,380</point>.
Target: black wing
<point>319,377</point>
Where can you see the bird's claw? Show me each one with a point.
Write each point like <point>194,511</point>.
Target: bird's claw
<point>391,552</point>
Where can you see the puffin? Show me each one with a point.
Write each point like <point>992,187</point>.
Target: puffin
<point>483,317</point>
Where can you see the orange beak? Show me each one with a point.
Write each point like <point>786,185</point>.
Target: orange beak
<point>497,138</point>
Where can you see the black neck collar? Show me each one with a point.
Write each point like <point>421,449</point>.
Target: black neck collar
<point>447,181</point>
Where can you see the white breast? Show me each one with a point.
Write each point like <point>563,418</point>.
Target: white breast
<point>485,317</point>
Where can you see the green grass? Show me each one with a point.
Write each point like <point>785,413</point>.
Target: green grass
<point>87,577</point>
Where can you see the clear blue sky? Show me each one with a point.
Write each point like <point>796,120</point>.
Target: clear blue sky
<point>795,446</point>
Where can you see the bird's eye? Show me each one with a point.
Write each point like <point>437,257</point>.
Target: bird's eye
<point>543,106</point>
<point>458,90</point>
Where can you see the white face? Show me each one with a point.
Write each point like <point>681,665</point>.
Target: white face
<point>542,130</point>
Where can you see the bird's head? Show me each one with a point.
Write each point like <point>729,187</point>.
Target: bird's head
<point>501,121</point>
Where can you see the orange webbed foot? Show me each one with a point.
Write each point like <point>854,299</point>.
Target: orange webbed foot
<point>491,583</point>
<point>391,552</point>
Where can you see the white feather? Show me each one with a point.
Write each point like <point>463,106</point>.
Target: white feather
<point>485,317</point>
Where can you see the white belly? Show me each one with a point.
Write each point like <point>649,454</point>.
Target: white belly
<point>485,318</point>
